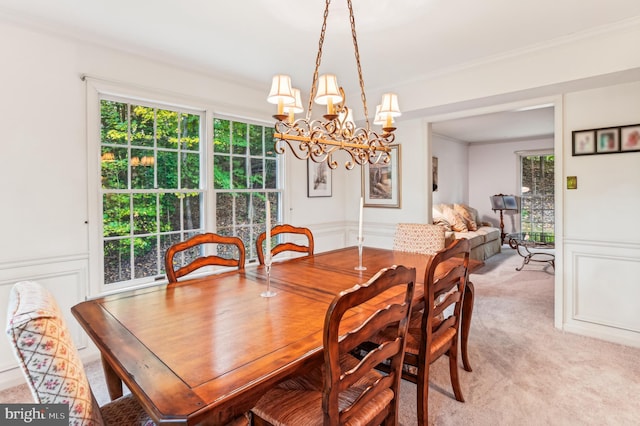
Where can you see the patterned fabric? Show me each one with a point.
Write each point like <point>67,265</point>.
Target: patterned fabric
<point>419,238</point>
<point>455,219</point>
<point>468,215</point>
<point>51,363</point>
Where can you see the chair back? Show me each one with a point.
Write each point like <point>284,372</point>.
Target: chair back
<point>424,238</point>
<point>442,293</point>
<point>287,245</point>
<point>198,261</point>
<point>378,399</point>
<point>49,360</point>
<point>439,332</point>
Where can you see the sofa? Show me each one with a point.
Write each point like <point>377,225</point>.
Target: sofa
<point>462,221</point>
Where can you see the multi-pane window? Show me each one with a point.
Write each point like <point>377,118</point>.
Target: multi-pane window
<point>244,175</point>
<point>537,196</point>
<point>151,186</point>
<point>153,190</point>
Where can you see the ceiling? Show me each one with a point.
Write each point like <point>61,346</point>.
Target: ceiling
<point>399,40</point>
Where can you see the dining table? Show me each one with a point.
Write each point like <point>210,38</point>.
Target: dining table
<point>204,350</point>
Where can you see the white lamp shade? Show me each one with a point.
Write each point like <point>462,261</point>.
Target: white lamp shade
<point>281,90</point>
<point>295,107</point>
<point>379,118</point>
<point>389,105</point>
<point>328,90</point>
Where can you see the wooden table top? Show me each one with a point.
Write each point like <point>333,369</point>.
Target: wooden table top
<point>207,348</point>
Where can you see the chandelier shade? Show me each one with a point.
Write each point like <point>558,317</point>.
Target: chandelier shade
<point>317,139</point>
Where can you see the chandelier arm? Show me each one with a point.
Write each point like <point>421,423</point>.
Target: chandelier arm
<point>357,54</point>
<point>314,83</point>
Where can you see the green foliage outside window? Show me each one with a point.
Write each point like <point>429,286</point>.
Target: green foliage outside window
<point>537,213</point>
<point>150,162</point>
<point>152,193</point>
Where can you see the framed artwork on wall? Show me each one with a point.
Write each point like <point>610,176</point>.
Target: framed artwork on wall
<point>319,179</point>
<point>434,166</point>
<point>607,140</point>
<point>381,182</point>
<point>630,138</point>
<point>584,142</point>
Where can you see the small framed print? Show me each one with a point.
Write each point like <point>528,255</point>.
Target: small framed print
<point>630,138</point>
<point>381,182</point>
<point>607,140</point>
<point>584,142</point>
<point>318,179</point>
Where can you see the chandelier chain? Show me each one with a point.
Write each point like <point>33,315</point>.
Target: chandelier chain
<point>314,83</point>
<point>363,96</point>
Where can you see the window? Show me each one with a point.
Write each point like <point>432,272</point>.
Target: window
<point>245,174</point>
<point>154,169</point>
<point>537,213</point>
<point>151,186</point>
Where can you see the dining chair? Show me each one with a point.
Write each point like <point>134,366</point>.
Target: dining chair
<point>196,242</point>
<point>436,332</point>
<point>51,364</point>
<point>344,389</point>
<point>424,238</point>
<point>287,245</point>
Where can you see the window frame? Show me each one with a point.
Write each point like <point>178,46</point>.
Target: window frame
<point>95,91</point>
<point>520,156</point>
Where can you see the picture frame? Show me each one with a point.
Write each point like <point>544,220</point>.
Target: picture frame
<point>381,183</point>
<point>607,140</point>
<point>584,142</point>
<point>319,179</point>
<point>434,178</point>
<point>630,138</point>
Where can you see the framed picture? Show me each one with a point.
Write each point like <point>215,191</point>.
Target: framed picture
<point>381,182</point>
<point>318,179</point>
<point>630,138</point>
<point>584,142</point>
<point>607,140</point>
<point>434,166</point>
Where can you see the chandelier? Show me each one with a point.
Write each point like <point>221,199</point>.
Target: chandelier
<point>317,139</point>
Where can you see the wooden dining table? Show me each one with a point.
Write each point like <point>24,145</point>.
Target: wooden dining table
<point>203,351</point>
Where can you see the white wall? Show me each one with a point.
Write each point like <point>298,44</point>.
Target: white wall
<point>601,239</point>
<point>453,170</point>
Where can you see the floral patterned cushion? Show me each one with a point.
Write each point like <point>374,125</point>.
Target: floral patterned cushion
<point>422,238</point>
<point>46,353</point>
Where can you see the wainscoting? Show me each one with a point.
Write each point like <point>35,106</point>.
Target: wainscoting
<point>65,277</point>
<point>602,289</point>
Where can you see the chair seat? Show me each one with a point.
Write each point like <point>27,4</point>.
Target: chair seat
<point>298,401</point>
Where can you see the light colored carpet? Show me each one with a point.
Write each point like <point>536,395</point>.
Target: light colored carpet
<point>525,372</point>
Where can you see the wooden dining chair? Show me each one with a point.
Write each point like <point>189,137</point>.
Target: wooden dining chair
<point>436,332</point>
<point>51,364</point>
<point>424,238</point>
<point>198,262</point>
<point>287,245</point>
<point>346,390</point>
